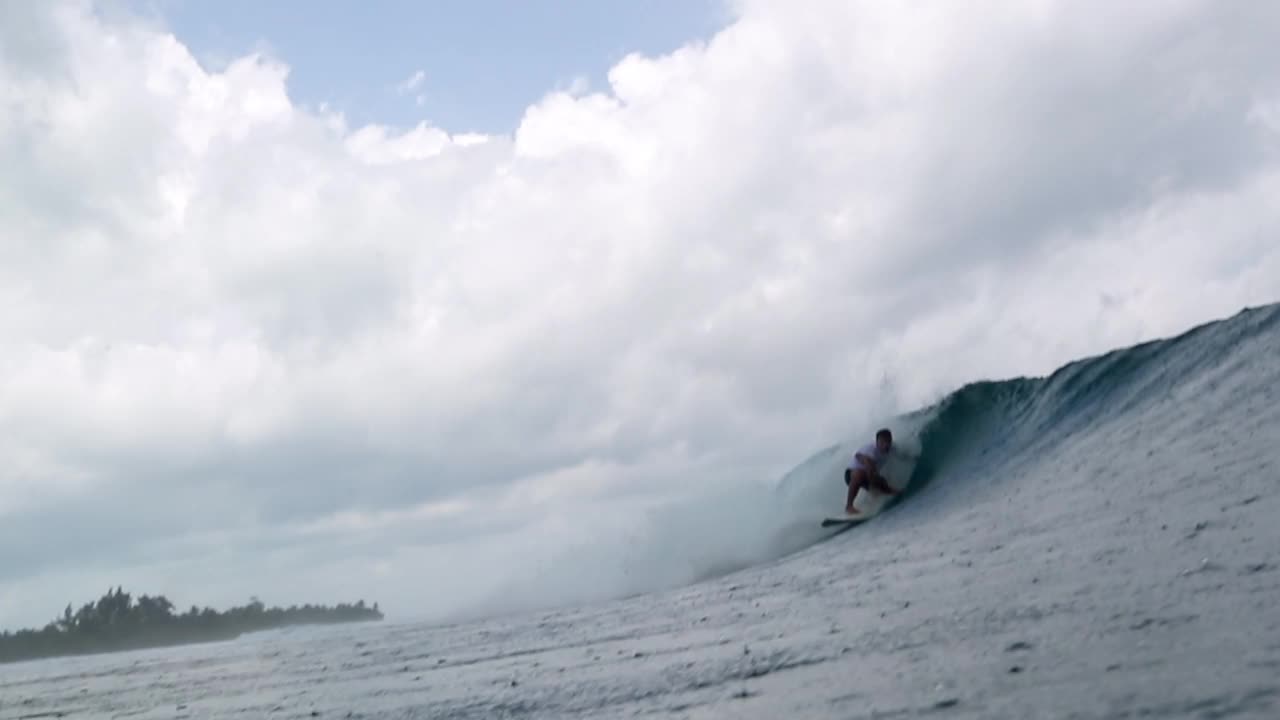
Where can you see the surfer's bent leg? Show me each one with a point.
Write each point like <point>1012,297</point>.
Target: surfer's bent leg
<point>882,485</point>
<point>854,478</point>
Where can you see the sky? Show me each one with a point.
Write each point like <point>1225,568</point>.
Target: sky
<point>272,327</point>
<point>468,67</point>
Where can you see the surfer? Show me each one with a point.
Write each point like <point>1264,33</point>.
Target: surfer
<point>864,469</point>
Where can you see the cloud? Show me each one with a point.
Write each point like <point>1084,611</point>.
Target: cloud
<point>412,85</point>
<point>247,348</point>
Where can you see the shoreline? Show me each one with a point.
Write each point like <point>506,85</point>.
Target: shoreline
<point>117,623</point>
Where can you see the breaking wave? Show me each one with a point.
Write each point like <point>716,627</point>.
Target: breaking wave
<point>978,441</point>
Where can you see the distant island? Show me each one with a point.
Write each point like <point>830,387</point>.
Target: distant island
<point>117,622</point>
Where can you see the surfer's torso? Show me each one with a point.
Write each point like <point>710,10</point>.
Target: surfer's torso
<point>872,451</point>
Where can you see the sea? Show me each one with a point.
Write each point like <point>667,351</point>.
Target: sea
<point>1103,542</point>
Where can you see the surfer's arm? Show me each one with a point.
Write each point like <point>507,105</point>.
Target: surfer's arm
<point>869,462</point>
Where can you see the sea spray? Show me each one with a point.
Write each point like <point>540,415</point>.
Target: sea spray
<point>702,533</point>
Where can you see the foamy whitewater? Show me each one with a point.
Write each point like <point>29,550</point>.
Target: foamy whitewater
<point>1100,543</point>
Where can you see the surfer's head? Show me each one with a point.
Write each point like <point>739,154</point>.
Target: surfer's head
<point>884,439</point>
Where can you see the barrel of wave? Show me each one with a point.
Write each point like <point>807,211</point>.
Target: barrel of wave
<point>897,471</point>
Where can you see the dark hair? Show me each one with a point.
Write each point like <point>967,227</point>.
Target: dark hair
<point>884,433</point>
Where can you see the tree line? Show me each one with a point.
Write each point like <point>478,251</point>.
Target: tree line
<point>117,621</point>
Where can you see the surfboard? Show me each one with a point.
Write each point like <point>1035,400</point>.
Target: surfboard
<point>843,520</point>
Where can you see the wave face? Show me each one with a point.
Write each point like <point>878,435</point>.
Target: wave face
<point>1126,409</point>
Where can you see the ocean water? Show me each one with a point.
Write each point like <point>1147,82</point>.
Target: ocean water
<point>1100,543</point>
